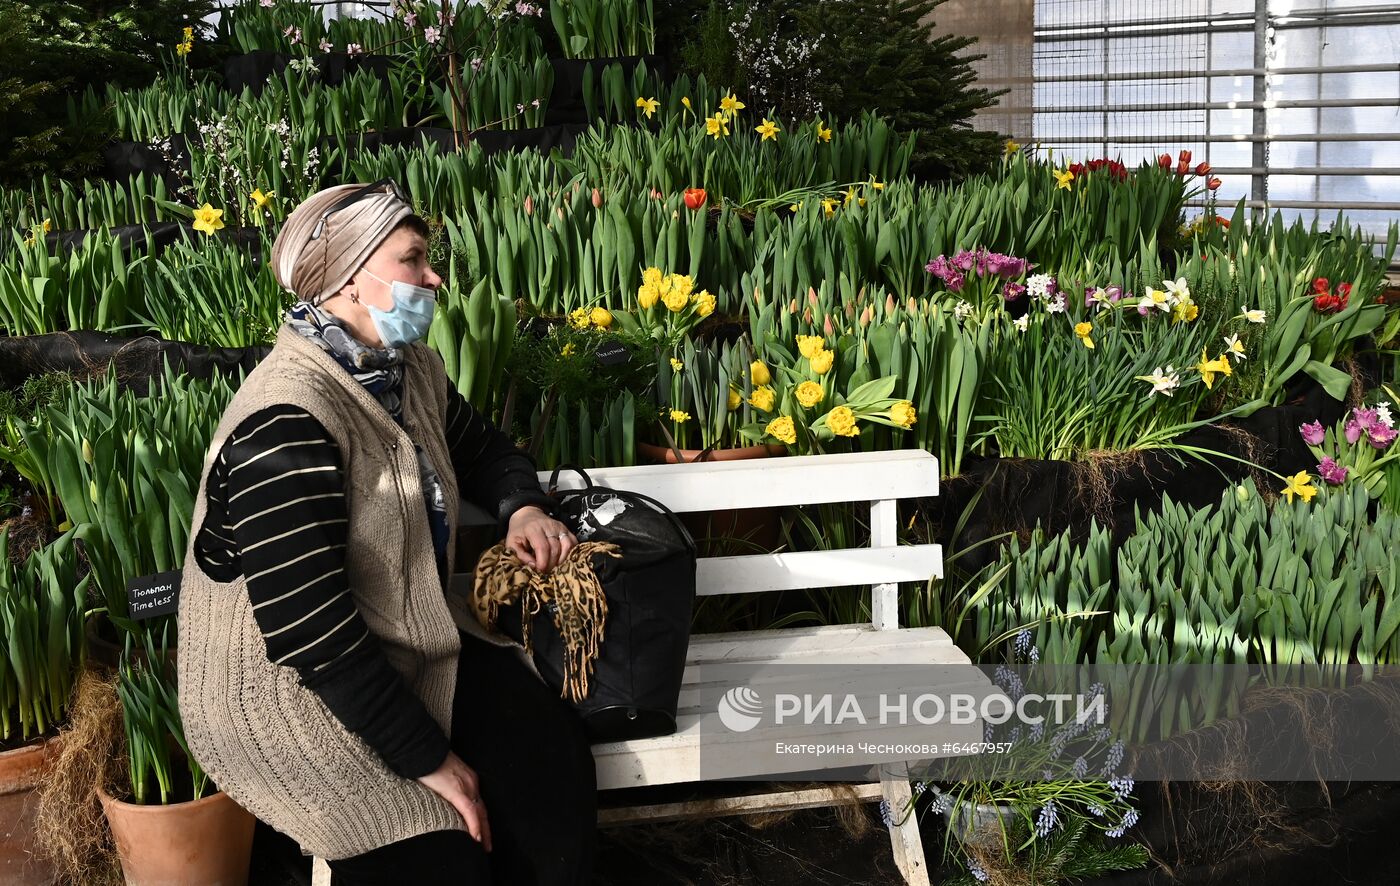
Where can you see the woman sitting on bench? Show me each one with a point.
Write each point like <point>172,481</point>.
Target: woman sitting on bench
<point>323,682</point>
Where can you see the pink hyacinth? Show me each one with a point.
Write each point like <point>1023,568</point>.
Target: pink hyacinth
<point>1312,432</point>
<point>1333,473</point>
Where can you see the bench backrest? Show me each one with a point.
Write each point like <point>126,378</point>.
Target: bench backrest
<point>880,478</point>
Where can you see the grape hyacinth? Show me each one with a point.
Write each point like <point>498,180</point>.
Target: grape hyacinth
<point>1048,818</point>
<point>1130,818</point>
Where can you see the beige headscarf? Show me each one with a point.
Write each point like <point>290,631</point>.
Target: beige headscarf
<point>315,269</point>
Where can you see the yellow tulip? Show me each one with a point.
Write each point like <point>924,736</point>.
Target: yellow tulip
<point>809,394</point>
<point>782,429</point>
<point>758,371</point>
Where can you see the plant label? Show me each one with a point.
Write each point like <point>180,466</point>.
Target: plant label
<point>153,595</point>
<point>612,353</point>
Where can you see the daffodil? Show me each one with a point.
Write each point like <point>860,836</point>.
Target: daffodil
<point>1253,316</point>
<point>260,199</point>
<point>876,183</point>
<point>1185,311</point>
<point>1162,381</point>
<point>809,394</point>
<point>1234,347</point>
<point>717,126</point>
<point>829,206</point>
<point>730,104</point>
<point>823,131</point>
<point>1011,147</point>
<point>676,365</point>
<point>1063,179</point>
<point>767,129</point>
<point>648,105</point>
<point>208,219</point>
<point>685,100</point>
<point>1300,484</point>
<point>679,415</point>
<point>1155,298</point>
<point>1177,288</point>
<point>1209,368</point>
<point>850,195</point>
<point>48,225</point>
<point>1084,330</point>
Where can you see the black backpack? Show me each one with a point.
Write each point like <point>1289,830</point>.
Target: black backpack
<point>635,684</point>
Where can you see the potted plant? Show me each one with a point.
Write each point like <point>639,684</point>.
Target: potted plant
<point>170,824</point>
<point>41,620</point>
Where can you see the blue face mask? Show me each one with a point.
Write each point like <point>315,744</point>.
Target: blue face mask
<point>408,320</point>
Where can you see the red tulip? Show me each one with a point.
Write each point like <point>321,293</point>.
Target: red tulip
<point>1184,157</point>
<point>1344,289</point>
<point>1321,286</point>
<point>694,198</point>
<point>1203,169</point>
<point>1165,161</point>
<point>1182,167</point>
<point>1213,184</point>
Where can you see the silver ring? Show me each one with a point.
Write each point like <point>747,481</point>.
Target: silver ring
<point>562,535</point>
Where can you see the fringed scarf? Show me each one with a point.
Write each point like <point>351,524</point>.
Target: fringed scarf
<point>580,608</point>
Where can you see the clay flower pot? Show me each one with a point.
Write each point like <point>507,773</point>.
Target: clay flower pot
<point>666,455</point>
<point>21,771</point>
<point>758,526</point>
<point>207,841</point>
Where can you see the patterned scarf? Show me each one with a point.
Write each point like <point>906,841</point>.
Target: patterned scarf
<point>380,371</point>
<point>571,593</point>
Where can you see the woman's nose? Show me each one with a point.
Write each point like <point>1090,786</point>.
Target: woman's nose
<point>431,279</point>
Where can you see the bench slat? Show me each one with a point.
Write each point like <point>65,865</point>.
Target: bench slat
<point>774,482</point>
<point>795,570</point>
<point>674,758</point>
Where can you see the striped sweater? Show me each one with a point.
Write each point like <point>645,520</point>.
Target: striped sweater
<point>277,514</point>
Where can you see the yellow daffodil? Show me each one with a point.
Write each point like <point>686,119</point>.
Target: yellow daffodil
<point>767,129</point>
<point>1063,179</point>
<point>188,34</point>
<point>648,105</point>
<point>821,363</point>
<point>876,183</point>
<point>676,365</point>
<point>810,345</point>
<point>716,126</point>
<point>1185,311</point>
<point>758,371</point>
<point>1299,484</point>
<point>1083,330</point>
<point>184,48</point>
<point>829,206</point>
<point>208,219</point>
<point>823,131</point>
<point>809,394</point>
<point>685,100</point>
<point>850,195</point>
<point>782,429</point>
<point>903,414</point>
<point>1011,147</point>
<point>730,104</point>
<point>793,207</point>
<point>48,226</point>
<point>704,303</point>
<point>1209,368</point>
<point>842,422</point>
<point>734,399</point>
<point>680,415</point>
<point>600,317</point>
<point>578,318</point>
<point>568,350</point>
<point>261,200</point>
<point>762,399</point>
<point>1234,347</point>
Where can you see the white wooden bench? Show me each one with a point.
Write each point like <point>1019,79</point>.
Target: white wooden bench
<point>880,478</point>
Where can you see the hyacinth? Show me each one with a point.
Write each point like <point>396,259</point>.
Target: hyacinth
<point>1130,818</point>
<point>1048,818</point>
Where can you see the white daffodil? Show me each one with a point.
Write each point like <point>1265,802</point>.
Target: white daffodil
<point>1253,316</point>
<point>1177,288</point>
<point>1383,414</point>
<point>1038,285</point>
<point>962,310</point>
<point>1155,298</point>
<point>1022,322</point>
<point>1234,347</point>
<point>1163,382</point>
<point>1056,305</point>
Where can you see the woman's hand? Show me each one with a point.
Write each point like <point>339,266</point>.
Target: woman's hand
<point>540,541</point>
<point>455,782</point>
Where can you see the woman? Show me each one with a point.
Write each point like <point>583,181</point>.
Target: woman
<point>323,683</point>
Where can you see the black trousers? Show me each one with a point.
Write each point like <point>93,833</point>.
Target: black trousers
<point>532,758</point>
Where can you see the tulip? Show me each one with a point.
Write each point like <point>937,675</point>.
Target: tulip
<point>597,198</point>
<point>1165,161</point>
<point>1184,157</point>
<point>695,198</point>
<point>1213,184</point>
<point>529,205</point>
<point>1312,433</point>
<point>1203,168</point>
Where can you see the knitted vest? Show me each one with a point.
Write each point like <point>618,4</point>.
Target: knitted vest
<point>265,739</point>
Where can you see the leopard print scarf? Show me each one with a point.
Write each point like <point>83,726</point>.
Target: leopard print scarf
<point>580,608</point>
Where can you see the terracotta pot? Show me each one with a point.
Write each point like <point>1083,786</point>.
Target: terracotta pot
<point>21,771</point>
<point>207,841</point>
<point>759,528</point>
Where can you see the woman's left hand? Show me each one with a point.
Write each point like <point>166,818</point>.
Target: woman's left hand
<point>540,541</point>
